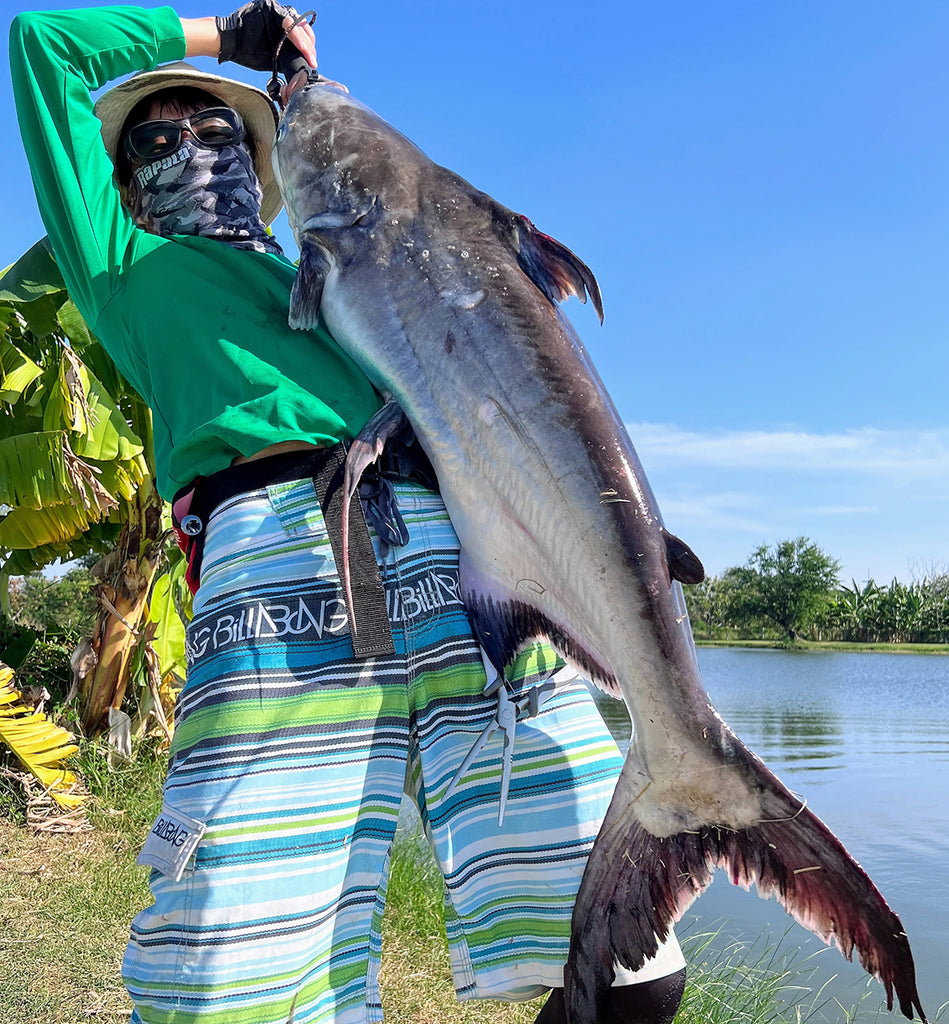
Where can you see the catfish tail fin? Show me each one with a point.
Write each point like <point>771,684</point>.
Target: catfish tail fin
<point>637,885</point>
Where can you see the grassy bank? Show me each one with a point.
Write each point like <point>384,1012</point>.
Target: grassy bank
<point>814,645</point>
<point>66,902</point>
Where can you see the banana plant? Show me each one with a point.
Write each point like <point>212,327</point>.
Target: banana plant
<point>76,477</point>
<point>70,463</point>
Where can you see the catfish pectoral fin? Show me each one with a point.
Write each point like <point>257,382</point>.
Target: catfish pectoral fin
<point>636,885</point>
<point>307,292</point>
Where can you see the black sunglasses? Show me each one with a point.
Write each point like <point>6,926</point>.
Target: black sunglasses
<point>212,128</point>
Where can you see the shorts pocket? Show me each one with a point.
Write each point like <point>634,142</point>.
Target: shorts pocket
<point>171,843</point>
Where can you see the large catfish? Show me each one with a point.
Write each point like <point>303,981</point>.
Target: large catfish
<point>447,300</point>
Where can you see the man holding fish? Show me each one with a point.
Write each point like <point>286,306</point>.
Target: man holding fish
<point>305,715</point>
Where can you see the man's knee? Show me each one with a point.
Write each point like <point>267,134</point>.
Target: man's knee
<point>647,1002</point>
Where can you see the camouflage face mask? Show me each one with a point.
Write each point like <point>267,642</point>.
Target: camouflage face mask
<point>198,191</point>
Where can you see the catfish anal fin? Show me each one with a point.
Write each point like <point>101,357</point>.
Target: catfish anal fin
<point>684,564</point>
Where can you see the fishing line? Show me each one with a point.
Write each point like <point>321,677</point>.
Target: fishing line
<point>273,86</point>
<point>799,811</point>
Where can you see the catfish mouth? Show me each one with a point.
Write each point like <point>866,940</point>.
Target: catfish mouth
<point>331,219</point>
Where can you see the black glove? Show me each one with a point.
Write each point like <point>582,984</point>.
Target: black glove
<point>252,33</point>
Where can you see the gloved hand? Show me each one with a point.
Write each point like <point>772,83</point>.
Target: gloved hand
<point>252,33</point>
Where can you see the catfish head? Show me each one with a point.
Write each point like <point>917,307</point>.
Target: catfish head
<point>336,164</point>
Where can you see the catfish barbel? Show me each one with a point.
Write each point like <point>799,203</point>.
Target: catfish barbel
<point>448,302</point>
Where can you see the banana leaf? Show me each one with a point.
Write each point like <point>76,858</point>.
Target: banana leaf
<point>109,436</point>
<point>32,527</point>
<point>17,371</point>
<point>169,641</point>
<point>33,472</point>
<point>38,744</point>
<point>99,537</point>
<point>74,326</point>
<point>66,404</point>
<point>34,275</point>
<point>40,471</point>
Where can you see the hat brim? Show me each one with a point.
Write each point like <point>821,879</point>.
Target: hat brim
<point>255,107</point>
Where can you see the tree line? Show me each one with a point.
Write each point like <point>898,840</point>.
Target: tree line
<point>791,591</point>
<point>786,592</point>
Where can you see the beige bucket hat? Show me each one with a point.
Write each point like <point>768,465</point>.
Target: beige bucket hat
<point>254,106</point>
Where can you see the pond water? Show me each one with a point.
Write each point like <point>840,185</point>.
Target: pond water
<point>865,739</point>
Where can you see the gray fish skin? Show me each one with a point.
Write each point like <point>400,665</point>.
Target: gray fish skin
<point>447,301</point>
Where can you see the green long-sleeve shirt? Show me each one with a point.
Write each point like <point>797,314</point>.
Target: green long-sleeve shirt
<point>198,327</point>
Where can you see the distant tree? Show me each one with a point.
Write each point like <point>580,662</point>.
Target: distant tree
<point>711,603</point>
<point>58,605</point>
<point>742,606</point>
<point>701,603</point>
<point>790,584</point>
<point>934,614</point>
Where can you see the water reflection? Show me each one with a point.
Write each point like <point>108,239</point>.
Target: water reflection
<point>804,739</point>
<point>803,736</point>
<point>616,717</point>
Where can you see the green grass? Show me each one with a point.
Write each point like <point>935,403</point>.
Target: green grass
<point>123,793</point>
<point>827,645</point>
<point>768,981</point>
<point>66,902</point>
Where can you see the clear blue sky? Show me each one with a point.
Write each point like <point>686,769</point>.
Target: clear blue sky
<point>761,190</point>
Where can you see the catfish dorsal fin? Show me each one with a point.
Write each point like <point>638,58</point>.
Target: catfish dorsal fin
<point>556,271</point>
<point>684,564</point>
<point>307,290</point>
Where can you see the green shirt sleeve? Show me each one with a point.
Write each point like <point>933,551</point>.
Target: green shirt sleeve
<point>57,59</point>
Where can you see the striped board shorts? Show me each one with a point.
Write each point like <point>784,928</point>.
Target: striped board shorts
<point>288,767</point>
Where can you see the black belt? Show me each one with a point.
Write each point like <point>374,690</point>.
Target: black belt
<point>368,616</point>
